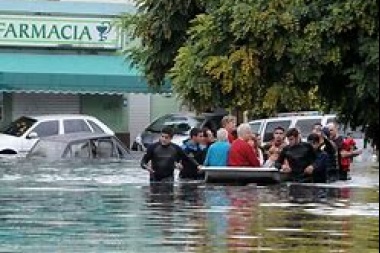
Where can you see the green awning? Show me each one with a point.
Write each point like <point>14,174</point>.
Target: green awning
<point>74,74</point>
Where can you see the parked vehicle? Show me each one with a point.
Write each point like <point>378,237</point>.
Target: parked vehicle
<point>79,146</point>
<point>181,123</point>
<point>304,122</point>
<point>21,135</point>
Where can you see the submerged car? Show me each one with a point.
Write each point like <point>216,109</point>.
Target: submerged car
<point>82,146</point>
<point>21,135</point>
<point>181,124</point>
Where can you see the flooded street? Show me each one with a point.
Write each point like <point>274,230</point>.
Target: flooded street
<point>111,208</point>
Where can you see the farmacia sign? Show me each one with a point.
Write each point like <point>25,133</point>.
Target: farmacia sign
<point>41,31</point>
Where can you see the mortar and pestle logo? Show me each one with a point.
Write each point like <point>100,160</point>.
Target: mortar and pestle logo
<point>104,29</point>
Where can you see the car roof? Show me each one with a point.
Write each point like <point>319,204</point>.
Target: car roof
<point>300,117</point>
<point>59,116</point>
<point>67,138</point>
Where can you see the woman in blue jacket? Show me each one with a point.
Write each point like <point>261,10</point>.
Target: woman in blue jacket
<point>217,154</point>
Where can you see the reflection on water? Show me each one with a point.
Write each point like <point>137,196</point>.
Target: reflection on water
<point>110,207</point>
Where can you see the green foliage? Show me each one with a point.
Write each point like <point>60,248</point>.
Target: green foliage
<point>159,26</point>
<point>266,55</point>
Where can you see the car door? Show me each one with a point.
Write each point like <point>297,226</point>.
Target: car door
<point>40,130</point>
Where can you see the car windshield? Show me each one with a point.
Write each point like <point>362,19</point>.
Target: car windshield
<point>47,149</point>
<point>180,124</point>
<point>20,126</point>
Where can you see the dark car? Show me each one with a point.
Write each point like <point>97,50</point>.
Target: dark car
<point>181,123</point>
<point>79,146</point>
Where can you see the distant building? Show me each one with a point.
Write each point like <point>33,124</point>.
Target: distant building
<point>64,57</point>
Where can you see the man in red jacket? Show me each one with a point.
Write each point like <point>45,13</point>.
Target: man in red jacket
<point>241,153</point>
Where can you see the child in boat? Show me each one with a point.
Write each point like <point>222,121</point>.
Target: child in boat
<point>273,155</point>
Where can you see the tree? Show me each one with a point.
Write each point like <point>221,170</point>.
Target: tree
<point>160,30</point>
<point>266,55</point>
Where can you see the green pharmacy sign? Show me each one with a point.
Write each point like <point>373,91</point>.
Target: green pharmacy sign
<point>39,31</point>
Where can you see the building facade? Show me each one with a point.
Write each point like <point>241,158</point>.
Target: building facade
<point>65,58</point>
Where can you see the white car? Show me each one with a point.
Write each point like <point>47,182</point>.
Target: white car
<point>21,135</point>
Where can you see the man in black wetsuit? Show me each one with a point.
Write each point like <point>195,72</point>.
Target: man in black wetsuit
<point>297,158</point>
<point>161,158</point>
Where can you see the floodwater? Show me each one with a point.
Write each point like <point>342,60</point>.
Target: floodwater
<point>111,208</point>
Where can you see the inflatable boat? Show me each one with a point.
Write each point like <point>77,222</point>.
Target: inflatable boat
<point>243,175</point>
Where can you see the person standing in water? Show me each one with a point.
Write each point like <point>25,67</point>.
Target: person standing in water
<point>162,158</point>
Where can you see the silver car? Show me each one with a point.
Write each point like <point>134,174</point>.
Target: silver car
<point>181,124</point>
<point>79,146</point>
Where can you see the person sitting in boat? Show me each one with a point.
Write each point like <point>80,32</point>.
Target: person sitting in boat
<point>274,153</point>
<point>297,158</point>
<point>322,162</point>
<point>278,141</point>
<point>256,148</point>
<point>241,153</point>
<point>208,138</point>
<point>193,148</point>
<point>217,154</point>
<point>229,123</point>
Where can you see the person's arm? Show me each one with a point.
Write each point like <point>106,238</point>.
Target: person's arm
<point>312,159</point>
<point>281,159</point>
<point>182,156</point>
<point>148,158</point>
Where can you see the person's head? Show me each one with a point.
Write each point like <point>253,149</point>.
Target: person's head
<point>326,132</point>
<point>222,135</point>
<point>293,136</point>
<point>317,129</point>
<point>279,134</point>
<point>208,136</point>
<point>166,137</point>
<point>229,123</point>
<point>258,139</point>
<point>313,139</point>
<point>244,132</point>
<point>196,135</point>
<point>333,130</point>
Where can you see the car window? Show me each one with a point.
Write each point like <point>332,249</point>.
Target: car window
<point>46,129</point>
<point>270,126</point>
<point>75,126</point>
<point>256,127</point>
<point>79,150</point>
<point>306,126</point>
<point>213,123</point>
<point>47,149</point>
<point>105,149</point>
<point>180,124</point>
<point>95,127</point>
<point>19,127</point>
<point>331,120</point>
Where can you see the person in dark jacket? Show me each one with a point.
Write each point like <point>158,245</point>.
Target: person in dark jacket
<point>162,157</point>
<point>194,149</point>
<point>297,158</point>
<point>326,145</point>
<point>322,162</point>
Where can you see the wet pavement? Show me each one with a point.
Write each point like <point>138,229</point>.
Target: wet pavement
<point>110,207</point>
